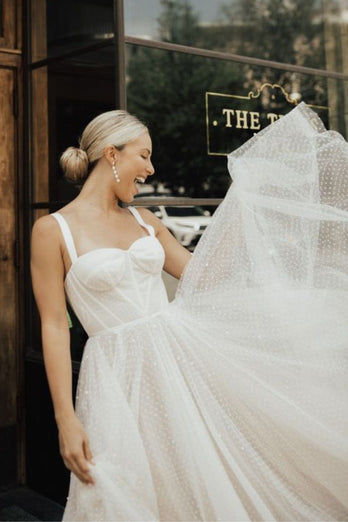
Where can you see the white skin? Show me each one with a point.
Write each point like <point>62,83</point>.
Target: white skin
<point>96,221</point>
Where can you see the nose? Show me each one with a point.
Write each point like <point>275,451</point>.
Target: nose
<point>150,168</point>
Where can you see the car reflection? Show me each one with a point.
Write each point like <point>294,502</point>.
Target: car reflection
<point>186,223</point>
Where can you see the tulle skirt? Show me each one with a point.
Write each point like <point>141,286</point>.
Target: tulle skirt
<point>231,404</point>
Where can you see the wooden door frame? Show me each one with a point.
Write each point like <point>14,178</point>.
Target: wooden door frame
<point>11,59</point>
<point>12,62</point>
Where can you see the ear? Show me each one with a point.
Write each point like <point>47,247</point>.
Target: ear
<point>111,153</point>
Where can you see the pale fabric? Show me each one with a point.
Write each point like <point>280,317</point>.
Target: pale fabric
<point>231,402</point>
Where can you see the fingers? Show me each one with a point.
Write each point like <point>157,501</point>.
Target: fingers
<point>87,451</point>
<point>83,469</point>
<point>75,451</point>
<point>78,464</point>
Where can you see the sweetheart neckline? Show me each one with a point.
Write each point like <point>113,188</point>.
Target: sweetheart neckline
<point>124,250</point>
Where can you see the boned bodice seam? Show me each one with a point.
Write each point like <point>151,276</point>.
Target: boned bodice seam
<point>108,249</point>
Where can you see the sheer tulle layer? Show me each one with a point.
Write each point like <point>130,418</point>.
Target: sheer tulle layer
<point>231,403</point>
<point>186,424</point>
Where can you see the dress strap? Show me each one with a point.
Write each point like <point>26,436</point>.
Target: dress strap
<point>66,232</point>
<point>141,222</point>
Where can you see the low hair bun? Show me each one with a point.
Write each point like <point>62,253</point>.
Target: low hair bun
<point>74,163</point>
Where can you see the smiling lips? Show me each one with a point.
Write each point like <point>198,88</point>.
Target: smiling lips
<point>140,179</point>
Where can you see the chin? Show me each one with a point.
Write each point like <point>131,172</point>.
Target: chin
<point>128,199</point>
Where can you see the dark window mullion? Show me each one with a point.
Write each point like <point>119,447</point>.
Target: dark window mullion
<point>147,201</point>
<point>71,54</point>
<point>218,55</point>
<point>120,65</point>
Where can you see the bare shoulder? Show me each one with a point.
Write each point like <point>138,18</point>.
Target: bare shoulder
<point>45,224</point>
<point>48,226</point>
<point>46,252</point>
<point>46,231</point>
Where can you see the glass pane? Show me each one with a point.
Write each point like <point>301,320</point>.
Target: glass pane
<point>187,222</point>
<point>60,27</point>
<point>312,33</point>
<point>200,109</point>
<point>65,97</point>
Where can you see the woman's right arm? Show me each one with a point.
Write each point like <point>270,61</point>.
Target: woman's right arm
<point>47,269</point>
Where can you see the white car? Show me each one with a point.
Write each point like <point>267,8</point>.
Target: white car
<point>186,223</point>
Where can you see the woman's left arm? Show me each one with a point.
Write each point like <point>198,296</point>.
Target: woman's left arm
<point>177,256</point>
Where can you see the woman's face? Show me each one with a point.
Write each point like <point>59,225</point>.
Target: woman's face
<point>133,165</point>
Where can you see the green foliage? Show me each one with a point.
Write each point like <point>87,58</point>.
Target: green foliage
<point>288,31</point>
<point>178,23</point>
<point>285,31</point>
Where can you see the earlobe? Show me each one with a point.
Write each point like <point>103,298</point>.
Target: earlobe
<point>111,154</point>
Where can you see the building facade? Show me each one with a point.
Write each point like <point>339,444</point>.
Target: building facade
<point>204,76</point>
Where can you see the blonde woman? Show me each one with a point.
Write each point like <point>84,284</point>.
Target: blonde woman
<point>206,408</point>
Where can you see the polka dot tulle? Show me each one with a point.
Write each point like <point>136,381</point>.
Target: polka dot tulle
<point>230,403</point>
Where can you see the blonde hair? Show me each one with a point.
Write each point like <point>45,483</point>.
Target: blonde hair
<point>109,128</point>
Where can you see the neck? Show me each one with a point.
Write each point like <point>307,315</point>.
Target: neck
<point>98,191</point>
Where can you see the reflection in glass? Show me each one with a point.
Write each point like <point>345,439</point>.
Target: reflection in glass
<point>311,33</point>
<point>66,96</point>
<point>186,223</point>
<point>168,90</point>
<point>60,27</point>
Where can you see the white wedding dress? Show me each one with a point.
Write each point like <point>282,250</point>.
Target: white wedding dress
<point>229,403</point>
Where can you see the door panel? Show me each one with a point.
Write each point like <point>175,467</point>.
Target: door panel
<point>8,21</point>
<point>8,278</point>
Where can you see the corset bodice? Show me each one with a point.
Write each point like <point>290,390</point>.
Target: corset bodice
<point>108,287</point>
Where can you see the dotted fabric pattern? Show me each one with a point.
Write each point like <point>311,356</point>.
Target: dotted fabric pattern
<point>230,403</point>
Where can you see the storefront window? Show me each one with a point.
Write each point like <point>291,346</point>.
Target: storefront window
<point>200,109</point>
<point>174,87</point>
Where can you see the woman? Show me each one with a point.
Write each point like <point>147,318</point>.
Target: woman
<point>230,403</point>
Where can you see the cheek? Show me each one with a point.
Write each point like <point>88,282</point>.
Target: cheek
<point>132,167</point>
<point>137,167</point>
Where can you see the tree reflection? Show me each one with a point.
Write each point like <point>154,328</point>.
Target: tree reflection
<point>285,31</point>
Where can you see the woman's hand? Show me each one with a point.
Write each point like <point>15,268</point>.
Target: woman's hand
<point>74,449</point>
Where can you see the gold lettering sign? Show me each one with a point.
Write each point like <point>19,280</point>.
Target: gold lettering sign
<point>232,119</point>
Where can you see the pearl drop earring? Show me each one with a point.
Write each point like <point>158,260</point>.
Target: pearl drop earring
<point>114,170</point>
